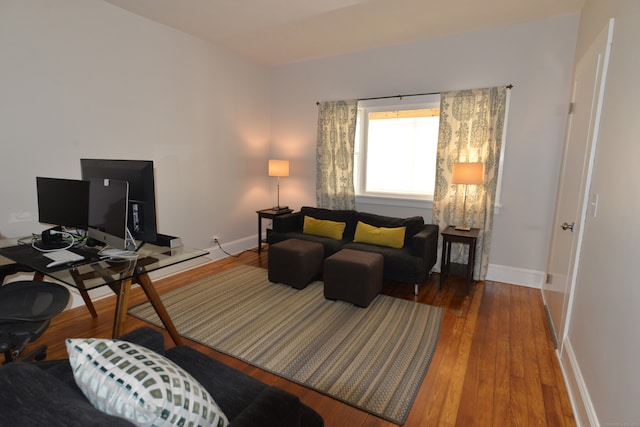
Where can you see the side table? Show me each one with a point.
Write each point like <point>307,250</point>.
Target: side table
<point>268,214</point>
<point>451,235</point>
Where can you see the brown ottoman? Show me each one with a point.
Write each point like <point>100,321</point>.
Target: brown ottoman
<point>353,276</point>
<point>295,262</point>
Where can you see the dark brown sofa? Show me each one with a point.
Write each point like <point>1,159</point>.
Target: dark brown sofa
<point>46,394</point>
<point>410,264</point>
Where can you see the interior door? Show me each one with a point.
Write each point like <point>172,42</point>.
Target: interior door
<point>575,176</point>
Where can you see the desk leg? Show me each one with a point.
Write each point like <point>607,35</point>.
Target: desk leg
<point>122,290</point>
<point>85,295</point>
<point>87,301</point>
<point>147,286</point>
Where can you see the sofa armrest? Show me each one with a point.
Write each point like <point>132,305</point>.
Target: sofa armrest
<point>272,407</point>
<point>146,337</point>
<point>31,396</point>
<point>425,245</point>
<point>287,223</point>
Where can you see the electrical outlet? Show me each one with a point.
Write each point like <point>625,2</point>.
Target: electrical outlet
<point>215,238</point>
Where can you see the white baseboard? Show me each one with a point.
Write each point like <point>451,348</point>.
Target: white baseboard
<point>235,247</point>
<point>583,410</point>
<point>511,275</point>
<point>498,273</point>
<point>516,276</point>
<point>215,253</point>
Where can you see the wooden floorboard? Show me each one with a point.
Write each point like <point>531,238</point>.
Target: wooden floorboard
<point>494,365</point>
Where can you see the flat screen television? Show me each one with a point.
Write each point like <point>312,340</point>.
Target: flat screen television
<point>108,206</point>
<point>142,200</point>
<point>63,202</point>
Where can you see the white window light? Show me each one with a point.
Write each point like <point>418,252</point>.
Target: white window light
<point>396,145</point>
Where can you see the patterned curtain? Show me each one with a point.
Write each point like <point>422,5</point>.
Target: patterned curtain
<point>334,154</point>
<point>471,126</point>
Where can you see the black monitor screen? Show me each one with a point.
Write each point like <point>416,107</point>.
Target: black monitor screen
<point>108,212</point>
<point>142,199</point>
<point>63,202</point>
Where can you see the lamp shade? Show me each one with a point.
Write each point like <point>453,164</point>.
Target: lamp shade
<point>467,173</point>
<point>278,167</point>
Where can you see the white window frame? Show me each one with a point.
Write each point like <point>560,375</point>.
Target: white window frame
<point>414,202</point>
<point>388,104</point>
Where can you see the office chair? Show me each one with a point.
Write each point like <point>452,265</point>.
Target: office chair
<point>26,310</point>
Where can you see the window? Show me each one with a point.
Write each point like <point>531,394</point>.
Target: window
<point>396,146</point>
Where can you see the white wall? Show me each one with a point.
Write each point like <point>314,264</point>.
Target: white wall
<point>83,78</point>
<point>536,57</point>
<point>603,342</point>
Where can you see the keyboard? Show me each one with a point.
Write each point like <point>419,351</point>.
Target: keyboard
<point>63,256</point>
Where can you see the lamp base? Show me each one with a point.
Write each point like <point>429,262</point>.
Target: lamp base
<point>279,208</point>
<point>462,228</point>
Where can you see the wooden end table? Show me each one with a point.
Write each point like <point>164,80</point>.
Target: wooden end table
<point>451,235</point>
<point>268,214</point>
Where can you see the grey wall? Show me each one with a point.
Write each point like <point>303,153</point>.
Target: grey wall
<point>83,78</point>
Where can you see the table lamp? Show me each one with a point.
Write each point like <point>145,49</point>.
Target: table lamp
<point>466,174</point>
<point>279,168</point>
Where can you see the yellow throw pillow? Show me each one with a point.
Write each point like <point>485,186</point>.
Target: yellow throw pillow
<point>323,227</point>
<point>392,237</point>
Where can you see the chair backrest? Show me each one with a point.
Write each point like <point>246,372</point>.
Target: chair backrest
<point>31,301</point>
<point>26,309</point>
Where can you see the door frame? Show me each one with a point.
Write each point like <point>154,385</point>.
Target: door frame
<point>586,199</point>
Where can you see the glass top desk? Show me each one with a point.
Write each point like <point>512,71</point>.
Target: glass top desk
<point>94,272</point>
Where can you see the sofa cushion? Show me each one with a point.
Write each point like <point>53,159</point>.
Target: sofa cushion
<point>383,236</point>
<point>323,227</point>
<point>413,224</point>
<point>34,397</point>
<point>346,216</point>
<point>125,379</point>
<point>399,264</point>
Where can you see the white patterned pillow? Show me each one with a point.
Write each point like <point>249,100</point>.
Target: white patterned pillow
<point>130,381</point>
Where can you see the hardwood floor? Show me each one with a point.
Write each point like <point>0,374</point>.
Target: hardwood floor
<point>494,364</point>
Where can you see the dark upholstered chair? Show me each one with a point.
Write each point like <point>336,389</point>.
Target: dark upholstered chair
<point>26,309</point>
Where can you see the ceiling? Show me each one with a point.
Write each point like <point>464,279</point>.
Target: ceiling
<point>276,32</point>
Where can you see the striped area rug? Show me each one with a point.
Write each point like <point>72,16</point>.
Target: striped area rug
<point>374,359</point>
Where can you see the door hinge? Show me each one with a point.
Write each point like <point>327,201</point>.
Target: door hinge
<point>571,107</point>
<point>548,278</point>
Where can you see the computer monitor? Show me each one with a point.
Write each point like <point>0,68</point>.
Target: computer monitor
<point>63,202</point>
<point>142,199</point>
<point>108,202</point>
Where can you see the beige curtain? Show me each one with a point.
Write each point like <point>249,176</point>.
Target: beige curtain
<point>334,154</point>
<point>471,127</point>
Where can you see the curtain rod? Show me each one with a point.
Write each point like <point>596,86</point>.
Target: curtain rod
<point>509,86</point>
